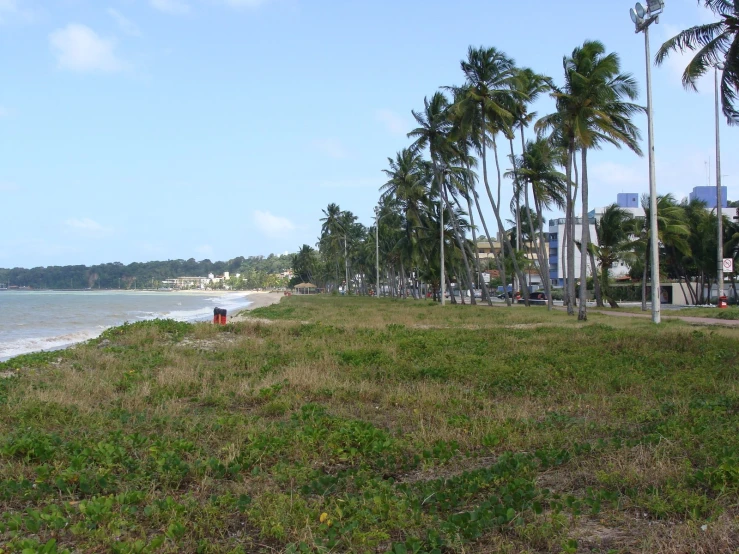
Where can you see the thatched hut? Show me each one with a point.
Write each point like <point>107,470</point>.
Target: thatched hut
<point>305,288</point>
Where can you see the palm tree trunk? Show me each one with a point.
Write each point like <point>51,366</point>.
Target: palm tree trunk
<point>452,299</point>
<point>458,237</point>
<point>485,293</point>
<point>542,256</point>
<point>584,241</point>
<point>498,260</point>
<point>402,279</point>
<point>573,225</point>
<point>596,281</point>
<point>644,278</point>
<point>570,245</point>
<point>517,193</point>
<point>496,257</point>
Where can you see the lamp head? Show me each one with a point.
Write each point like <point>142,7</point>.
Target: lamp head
<point>655,7</point>
<point>640,11</point>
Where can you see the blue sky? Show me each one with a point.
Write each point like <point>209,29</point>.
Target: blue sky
<point>135,130</point>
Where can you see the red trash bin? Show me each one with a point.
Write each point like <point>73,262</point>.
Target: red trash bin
<point>723,302</point>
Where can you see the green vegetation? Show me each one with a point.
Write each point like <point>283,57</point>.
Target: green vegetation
<point>338,424</point>
<point>467,136</point>
<point>257,272</point>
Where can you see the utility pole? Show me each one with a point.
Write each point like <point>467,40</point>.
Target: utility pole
<point>719,200</point>
<point>346,265</point>
<point>377,250</point>
<point>642,19</point>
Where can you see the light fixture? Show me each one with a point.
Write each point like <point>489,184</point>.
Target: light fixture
<point>640,11</point>
<point>655,7</point>
<point>634,17</point>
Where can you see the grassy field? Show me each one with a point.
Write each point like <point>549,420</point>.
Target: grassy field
<point>366,425</point>
<point>730,313</point>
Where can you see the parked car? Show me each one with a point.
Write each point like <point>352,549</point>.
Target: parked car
<point>536,298</point>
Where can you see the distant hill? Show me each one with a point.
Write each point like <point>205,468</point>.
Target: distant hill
<point>139,275</point>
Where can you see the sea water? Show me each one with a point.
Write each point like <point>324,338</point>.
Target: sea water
<point>45,320</point>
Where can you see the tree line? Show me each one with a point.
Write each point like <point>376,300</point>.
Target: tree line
<point>255,271</point>
<point>469,136</point>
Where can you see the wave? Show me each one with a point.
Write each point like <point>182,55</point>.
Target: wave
<point>27,345</point>
<point>36,344</point>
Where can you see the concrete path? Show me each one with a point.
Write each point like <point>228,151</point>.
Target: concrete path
<point>688,319</point>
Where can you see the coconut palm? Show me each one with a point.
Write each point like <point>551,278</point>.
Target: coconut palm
<point>613,231</point>
<point>715,44</point>
<point>537,169</point>
<point>468,134</point>
<point>672,229</point>
<point>595,89</point>
<point>434,132</point>
<point>489,74</point>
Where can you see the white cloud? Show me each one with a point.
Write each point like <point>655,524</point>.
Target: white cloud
<point>175,7</point>
<point>84,224</point>
<point>79,48</point>
<point>126,25</point>
<point>272,225</point>
<point>331,148</point>
<point>394,123</point>
<point>11,10</point>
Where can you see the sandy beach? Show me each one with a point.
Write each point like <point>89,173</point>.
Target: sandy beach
<point>258,300</point>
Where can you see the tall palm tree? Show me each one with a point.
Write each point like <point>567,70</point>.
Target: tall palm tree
<point>596,91</point>
<point>537,169</point>
<point>528,87</point>
<point>330,236</point>
<point>717,44</point>
<point>468,133</point>
<point>489,74</point>
<point>434,132</point>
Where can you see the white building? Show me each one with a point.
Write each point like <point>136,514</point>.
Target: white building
<point>557,254</point>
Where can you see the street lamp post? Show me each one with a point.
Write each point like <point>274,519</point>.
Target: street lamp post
<point>719,197</point>
<point>642,19</point>
<point>377,250</point>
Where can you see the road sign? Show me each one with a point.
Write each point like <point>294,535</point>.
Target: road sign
<point>728,265</point>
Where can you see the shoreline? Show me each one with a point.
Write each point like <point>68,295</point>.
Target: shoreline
<point>254,299</point>
<point>259,299</point>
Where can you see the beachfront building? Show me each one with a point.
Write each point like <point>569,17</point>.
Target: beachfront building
<point>709,196</point>
<point>557,249</point>
<point>186,282</point>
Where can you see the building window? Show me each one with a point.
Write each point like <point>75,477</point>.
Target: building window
<point>553,236</point>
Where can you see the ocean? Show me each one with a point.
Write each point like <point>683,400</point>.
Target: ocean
<point>31,321</point>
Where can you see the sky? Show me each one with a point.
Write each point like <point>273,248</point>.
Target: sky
<point>136,130</point>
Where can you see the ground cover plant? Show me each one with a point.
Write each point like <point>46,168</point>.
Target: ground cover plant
<point>342,424</point>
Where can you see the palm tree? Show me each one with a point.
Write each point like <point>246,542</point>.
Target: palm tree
<point>595,90</point>
<point>672,229</point>
<point>717,44</point>
<point>489,74</point>
<point>548,187</point>
<point>434,132</point>
<point>614,240</point>
<point>467,131</point>
<point>528,86</point>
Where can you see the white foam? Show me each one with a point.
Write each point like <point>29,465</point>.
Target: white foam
<point>37,344</point>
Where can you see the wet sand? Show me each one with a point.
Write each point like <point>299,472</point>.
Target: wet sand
<point>258,300</point>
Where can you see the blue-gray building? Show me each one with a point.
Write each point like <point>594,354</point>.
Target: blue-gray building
<point>708,195</point>
<point>627,200</point>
